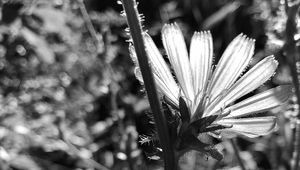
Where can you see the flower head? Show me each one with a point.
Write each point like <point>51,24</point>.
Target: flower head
<point>212,92</point>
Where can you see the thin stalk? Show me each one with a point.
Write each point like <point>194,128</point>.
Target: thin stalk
<point>135,27</point>
<point>113,88</point>
<point>296,156</point>
<point>237,154</point>
<point>89,25</point>
<point>293,57</point>
<point>292,50</point>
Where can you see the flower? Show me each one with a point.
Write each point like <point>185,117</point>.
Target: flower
<point>209,91</point>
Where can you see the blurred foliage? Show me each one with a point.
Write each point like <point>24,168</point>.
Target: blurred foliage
<point>69,98</point>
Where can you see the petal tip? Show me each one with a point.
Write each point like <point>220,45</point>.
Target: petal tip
<point>170,27</point>
<point>272,60</point>
<point>244,37</point>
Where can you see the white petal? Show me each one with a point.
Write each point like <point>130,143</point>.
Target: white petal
<point>162,75</point>
<point>157,61</point>
<point>177,53</point>
<point>162,71</point>
<point>255,77</point>
<point>261,102</point>
<point>171,95</point>
<point>250,127</point>
<point>201,56</point>
<point>231,65</point>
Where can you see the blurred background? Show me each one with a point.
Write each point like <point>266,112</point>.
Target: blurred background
<point>69,98</point>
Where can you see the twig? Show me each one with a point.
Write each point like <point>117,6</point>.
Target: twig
<point>291,49</point>
<point>89,25</point>
<point>293,56</point>
<point>237,154</point>
<point>220,15</point>
<point>114,87</point>
<point>135,27</point>
<point>296,156</point>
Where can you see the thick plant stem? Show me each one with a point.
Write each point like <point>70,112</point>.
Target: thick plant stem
<point>135,27</point>
<point>237,154</point>
<point>292,53</point>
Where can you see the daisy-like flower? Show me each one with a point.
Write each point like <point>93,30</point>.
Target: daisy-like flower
<point>209,92</point>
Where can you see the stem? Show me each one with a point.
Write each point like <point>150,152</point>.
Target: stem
<point>130,8</point>
<point>89,25</point>
<point>237,154</point>
<point>295,160</point>
<point>291,49</point>
<point>113,87</point>
<point>293,58</point>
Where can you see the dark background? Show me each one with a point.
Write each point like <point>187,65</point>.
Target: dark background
<point>69,98</point>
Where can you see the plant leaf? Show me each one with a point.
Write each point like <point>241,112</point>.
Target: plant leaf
<point>184,111</point>
<point>201,124</point>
